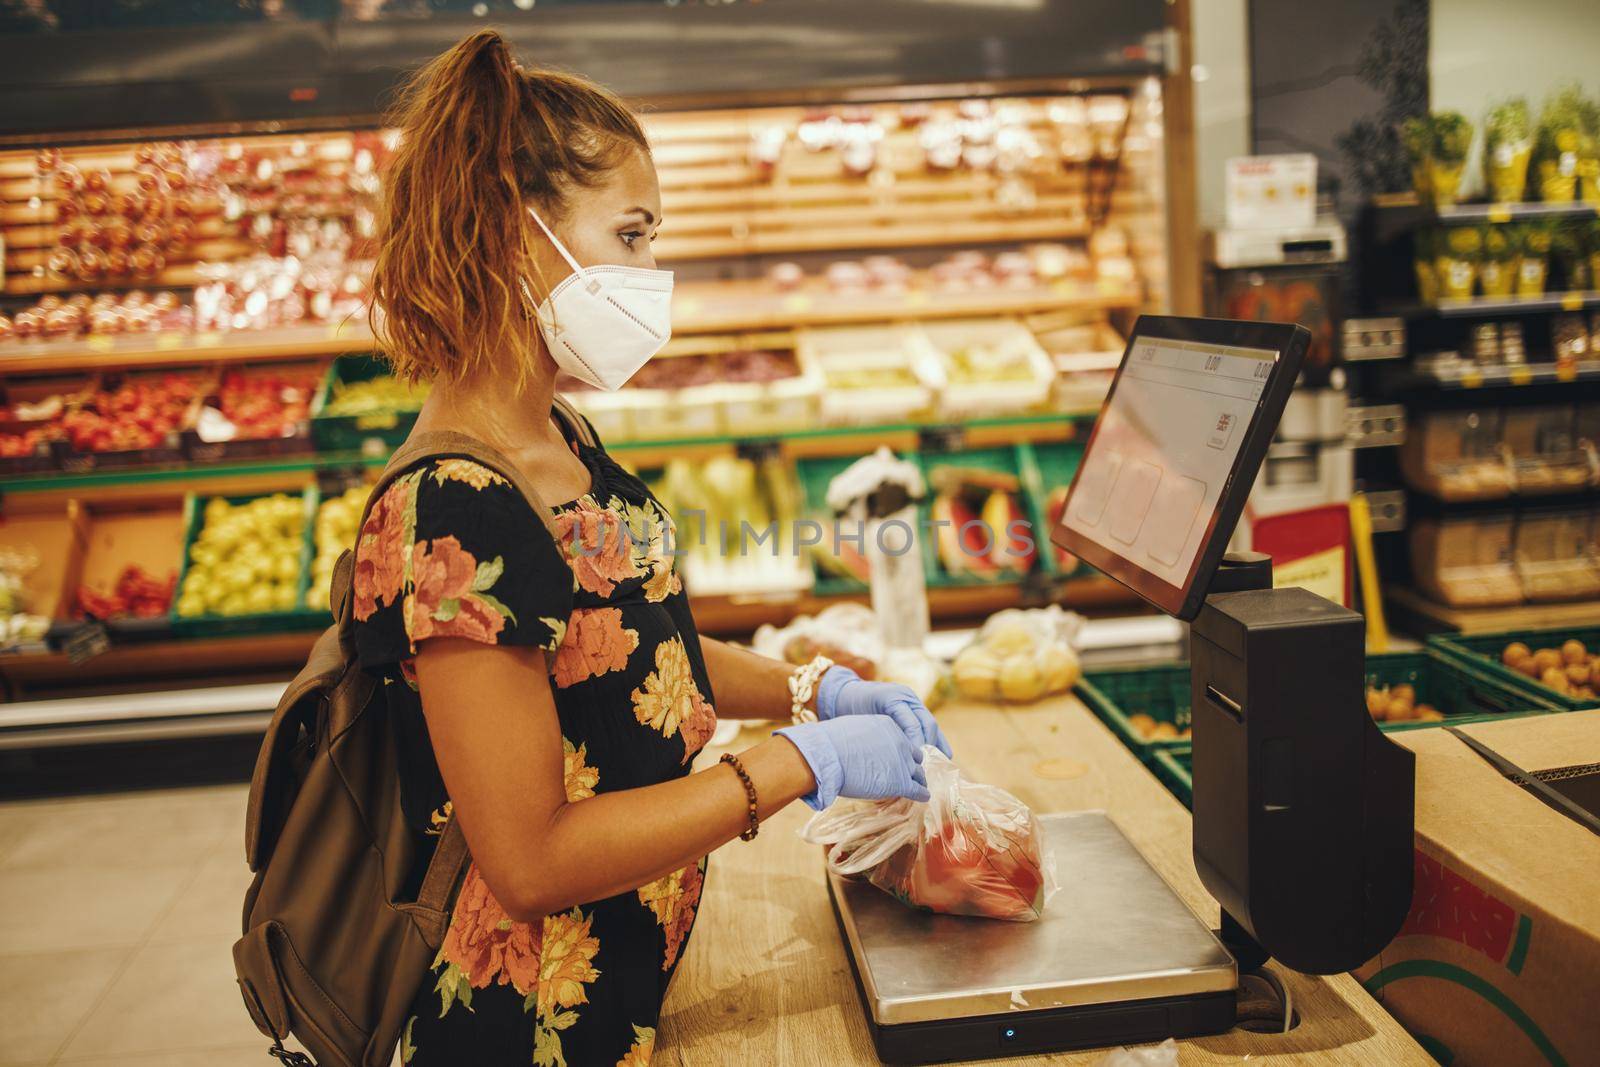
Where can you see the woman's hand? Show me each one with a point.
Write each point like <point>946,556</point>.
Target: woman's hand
<point>867,757</point>
<point>843,692</point>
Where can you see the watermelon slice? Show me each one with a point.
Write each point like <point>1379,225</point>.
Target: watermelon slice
<point>1446,904</point>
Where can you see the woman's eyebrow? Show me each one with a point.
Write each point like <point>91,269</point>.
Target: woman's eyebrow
<point>649,216</point>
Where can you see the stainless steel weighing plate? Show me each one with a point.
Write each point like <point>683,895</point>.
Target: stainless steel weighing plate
<point>1114,932</point>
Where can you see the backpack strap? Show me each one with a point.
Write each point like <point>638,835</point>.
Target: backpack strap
<point>579,426</point>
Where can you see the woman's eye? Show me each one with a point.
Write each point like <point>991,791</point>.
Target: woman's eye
<point>631,236</point>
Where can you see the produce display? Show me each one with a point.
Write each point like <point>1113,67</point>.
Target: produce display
<point>724,510</point>
<point>1148,728</point>
<point>246,559</point>
<point>19,625</point>
<point>1567,146</point>
<point>971,849</point>
<point>258,405</point>
<point>1398,703</point>
<point>1054,508</point>
<point>756,365</point>
<point>1438,146</point>
<point>137,413</point>
<point>374,396</point>
<point>1018,656</point>
<point>136,595</point>
<point>1556,160</point>
<point>1571,670</point>
<point>981,529</point>
<point>334,531</point>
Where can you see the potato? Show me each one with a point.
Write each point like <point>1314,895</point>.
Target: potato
<point>1578,674</point>
<point>1185,734</point>
<point>1555,678</point>
<point>1164,731</point>
<point>1142,724</point>
<point>1547,658</point>
<point>1401,710</point>
<point>1594,676</point>
<point>1404,692</point>
<point>1428,713</point>
<point>1531,668</point>
<point>1574,652</point>
<point>1378,704</point>
<point>1515,652</point>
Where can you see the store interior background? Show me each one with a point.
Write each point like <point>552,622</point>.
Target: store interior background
<point>118,908</point>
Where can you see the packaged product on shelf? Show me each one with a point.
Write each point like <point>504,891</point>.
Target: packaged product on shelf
<point>333,531</point>
<point>1507,148</point>
<point>1459,249</point>
<point>970,849</point>
<point>245,558</point>
<point>1497,271</point>
<point>1533,265</point>
<point>1425,260</point>
<point>1466,561</point>
<point>1456,455</point>
<point>1569,337</point>
<point>1019,656</point>
<point>1563,123</point>
<point>54,317</point>
<point>989,365</point>
<point>1484,347</point>
<point>1438,146</point>
<point>1552,556</point>
<point>1569,246</point>
<point>1542,445</point>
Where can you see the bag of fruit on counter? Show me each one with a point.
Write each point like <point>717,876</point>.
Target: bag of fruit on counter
<point>1019,656</point>
<point>971,849</point>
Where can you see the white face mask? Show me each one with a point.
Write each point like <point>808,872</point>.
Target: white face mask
<point>603,323</point>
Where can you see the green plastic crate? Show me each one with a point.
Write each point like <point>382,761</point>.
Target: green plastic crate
<point>1161,692</point>
<point>1463,693</point>
<point>1175,767</point>
<point>1046,467</point>
<point>1482,652</point>
<point>814,475</point>
<point>1006,460</point>
<point>377,433</point>
<point>297,618</point>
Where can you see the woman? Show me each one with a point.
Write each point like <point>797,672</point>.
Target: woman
<point>551,691</point>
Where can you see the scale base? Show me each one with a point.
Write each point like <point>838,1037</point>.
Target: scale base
<point>1117,958</point>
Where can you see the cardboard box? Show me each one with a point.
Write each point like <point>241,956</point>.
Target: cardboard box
<point>1499,959</point>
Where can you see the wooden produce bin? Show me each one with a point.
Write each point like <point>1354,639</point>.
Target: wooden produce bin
<point>114,536</point>
<point>50,536</point>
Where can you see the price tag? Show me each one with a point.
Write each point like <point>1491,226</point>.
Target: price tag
<point>1571,301</point>
<point>946,438</point>
<point>168,341</point>
<point>1521,375</point>
<point>757,449</point>
<point>88,642</point>
<point>1471,379</point>
<point>99,342</point>
<point>1499,213</point>
<point>1566,371</point>
<point>797,302</point>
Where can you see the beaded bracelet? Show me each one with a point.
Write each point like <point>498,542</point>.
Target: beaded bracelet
<point>749,791</point>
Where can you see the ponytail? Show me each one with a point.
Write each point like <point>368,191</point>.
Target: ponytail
<point>481,138</point>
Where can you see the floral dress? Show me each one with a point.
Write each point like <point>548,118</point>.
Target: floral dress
<point>454,550</point>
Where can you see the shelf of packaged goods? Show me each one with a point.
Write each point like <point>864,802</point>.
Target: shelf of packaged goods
<point>1459,374</point>
<point>269,475</point>
<point>1480,307</point>
<point>1417,614</point>
<point>1401,213</point>
<point>699,308</point>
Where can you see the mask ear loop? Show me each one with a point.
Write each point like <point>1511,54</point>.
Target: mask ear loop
<point>576,269</point>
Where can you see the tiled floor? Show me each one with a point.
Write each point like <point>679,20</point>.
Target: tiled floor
<point>117,921</point>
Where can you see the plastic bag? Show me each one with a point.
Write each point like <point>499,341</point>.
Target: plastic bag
<point>1162,1055</point>
<point>1019,656</point>
<point>971,849</point>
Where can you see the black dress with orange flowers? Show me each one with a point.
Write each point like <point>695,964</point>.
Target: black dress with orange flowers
<point>453,550</point>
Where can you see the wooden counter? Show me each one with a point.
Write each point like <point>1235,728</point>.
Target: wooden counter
<point>766,980</point>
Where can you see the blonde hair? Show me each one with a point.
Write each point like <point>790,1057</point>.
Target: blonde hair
<point>481,139</point>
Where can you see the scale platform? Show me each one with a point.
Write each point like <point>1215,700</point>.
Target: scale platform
<point>1117,958</point>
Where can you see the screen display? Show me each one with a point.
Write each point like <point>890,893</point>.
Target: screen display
<point>1149,486</point>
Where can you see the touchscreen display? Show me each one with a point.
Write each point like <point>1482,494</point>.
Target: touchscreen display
<point>1163,447</point>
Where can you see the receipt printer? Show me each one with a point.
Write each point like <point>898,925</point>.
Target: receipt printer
<point>1302,808</point>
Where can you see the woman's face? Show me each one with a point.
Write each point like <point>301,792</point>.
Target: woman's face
<point>613,222</point>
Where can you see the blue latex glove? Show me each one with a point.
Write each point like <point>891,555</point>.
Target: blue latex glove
<point>843,692</point>
<point>865,756</point>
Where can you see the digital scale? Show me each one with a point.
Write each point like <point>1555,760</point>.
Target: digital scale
<point>1302,808</point>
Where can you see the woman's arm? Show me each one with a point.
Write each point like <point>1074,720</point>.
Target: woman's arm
<point>748,685</point>
<point>493,724</point>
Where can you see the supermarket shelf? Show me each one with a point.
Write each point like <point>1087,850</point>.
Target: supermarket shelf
<point>1417,614</point>
<point>1460,374</point>
<point>1403,212</point>
<point>1489,306</point>
<point>832,440</point>
<point>699,307</point>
